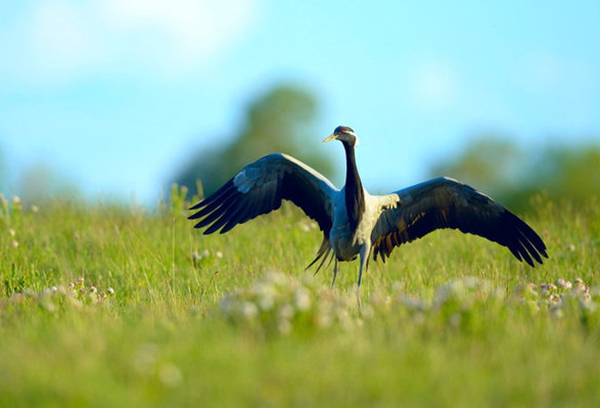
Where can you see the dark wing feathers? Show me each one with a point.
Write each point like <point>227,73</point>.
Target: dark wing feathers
<point>259,188</point>
<point>447,203</point>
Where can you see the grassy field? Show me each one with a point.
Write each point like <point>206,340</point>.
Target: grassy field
<point>109,305</point>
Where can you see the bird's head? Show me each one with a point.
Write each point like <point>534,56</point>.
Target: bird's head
<point>344,134</point>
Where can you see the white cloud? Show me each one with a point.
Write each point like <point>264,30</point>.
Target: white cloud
<point>544,73</point>
<point>186,32</point>
<point>434,86</point>
<point>541,71</point>
<point>57,36</point>
<point>57,40</point>
<point>559,83</point>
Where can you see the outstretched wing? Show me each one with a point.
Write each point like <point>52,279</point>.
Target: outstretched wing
<point>447,203</point>
<point>259,188</point>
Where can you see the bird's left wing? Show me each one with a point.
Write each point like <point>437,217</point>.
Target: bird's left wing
<point>259,188</point>
<point>447,203</point>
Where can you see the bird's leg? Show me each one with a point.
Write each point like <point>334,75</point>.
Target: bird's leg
<point>364,264</point>
<point>365,250</point>
<point>359,300</point>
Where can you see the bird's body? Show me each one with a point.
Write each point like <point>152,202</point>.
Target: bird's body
<point>355,223</point>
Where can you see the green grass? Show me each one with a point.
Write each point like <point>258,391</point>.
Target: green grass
<point>234,319</point>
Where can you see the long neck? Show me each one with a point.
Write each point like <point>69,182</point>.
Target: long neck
<point>355,197</point>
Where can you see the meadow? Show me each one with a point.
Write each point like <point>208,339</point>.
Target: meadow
<point>107,305</point>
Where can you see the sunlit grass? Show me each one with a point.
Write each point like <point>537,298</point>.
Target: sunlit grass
<point>109,305</point>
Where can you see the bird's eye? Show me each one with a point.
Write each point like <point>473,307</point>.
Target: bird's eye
<point>342,130</point>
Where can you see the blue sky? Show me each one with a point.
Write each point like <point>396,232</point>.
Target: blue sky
<point>115,94</point>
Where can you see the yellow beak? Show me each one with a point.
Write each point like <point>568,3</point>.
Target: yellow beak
<point>330,138</point>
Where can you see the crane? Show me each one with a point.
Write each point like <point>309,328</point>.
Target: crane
<point>356,224</point>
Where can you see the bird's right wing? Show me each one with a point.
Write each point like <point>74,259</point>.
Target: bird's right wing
<point>259,188</point>
<point>447,203</point>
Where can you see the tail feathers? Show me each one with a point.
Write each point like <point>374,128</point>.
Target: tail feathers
<point>324,253</point>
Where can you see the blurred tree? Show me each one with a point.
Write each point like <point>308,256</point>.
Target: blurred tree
<point>490,162</point>
<point>41,182</point>
<point>569,172</point>
<point>279,121</point>
<point>3,176</point>
<point>512,175</point>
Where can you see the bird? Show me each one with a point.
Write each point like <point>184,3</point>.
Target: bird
<point>356,224</point>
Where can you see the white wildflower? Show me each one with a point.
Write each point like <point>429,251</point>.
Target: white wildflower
<point>249,310</point>
<point>286,311</point>
<point>302,299</point>
<point>284,326</point>
<point>170,375</point>
<point>564,284</point>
